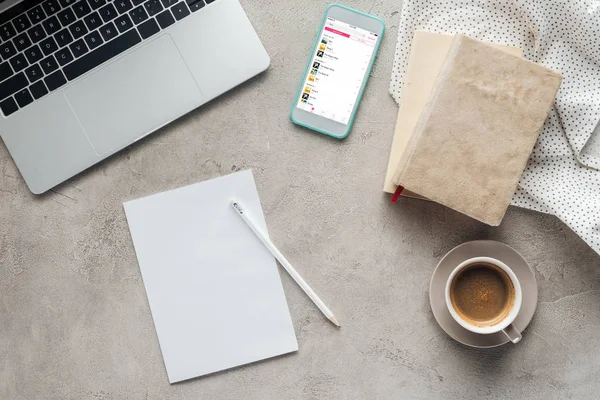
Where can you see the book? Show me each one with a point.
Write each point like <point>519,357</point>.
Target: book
<point>477,129</point>
<point>427,55</point>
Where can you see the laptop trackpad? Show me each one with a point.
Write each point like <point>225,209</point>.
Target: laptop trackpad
<point>134,95</point>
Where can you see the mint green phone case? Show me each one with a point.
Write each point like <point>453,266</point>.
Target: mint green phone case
<point>362,89</point>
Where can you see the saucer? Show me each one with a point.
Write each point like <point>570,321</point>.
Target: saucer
<point>481,248</point>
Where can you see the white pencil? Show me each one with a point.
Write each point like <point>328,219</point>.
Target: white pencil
<point>242,212</point>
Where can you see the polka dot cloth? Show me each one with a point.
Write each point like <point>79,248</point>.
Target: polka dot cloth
<point>563,174</point>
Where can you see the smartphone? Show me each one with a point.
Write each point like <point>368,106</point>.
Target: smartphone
<point>337,71</point>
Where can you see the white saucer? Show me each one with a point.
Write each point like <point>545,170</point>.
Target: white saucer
<point>481,248</point>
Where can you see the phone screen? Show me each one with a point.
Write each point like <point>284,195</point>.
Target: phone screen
<point>337,70</point>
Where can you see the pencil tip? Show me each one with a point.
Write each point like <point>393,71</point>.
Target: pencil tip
<point>335,322</point>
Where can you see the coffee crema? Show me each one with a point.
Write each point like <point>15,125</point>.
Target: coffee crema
<point>482,294</point>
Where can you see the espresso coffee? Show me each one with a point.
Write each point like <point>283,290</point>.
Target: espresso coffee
<point>482,294</point>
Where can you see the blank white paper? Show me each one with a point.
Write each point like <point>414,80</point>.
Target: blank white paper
<point>213,288</point>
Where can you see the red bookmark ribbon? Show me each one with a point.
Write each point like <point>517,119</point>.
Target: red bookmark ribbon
<point>397,194</point>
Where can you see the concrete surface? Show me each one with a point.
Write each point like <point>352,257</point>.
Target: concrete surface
<point>75,322</point>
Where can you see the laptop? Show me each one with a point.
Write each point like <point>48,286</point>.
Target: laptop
<point>82,79</point>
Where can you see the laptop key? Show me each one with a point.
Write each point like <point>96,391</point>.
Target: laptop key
<point>137,2</point>
<point>21,23</point>
<point>18,62</point>
<point>123,23</point>
<point>123,6</point>
<point>8,106</point>
<point>49,64</point>
<point>78,29</point>
<point>23,97</point>
<point>93,21</point>
<point>138,15</point>
<point>37,33</point>
<point>153,7</point>
<point>38,89</point>
<point>195,5</point>
<point>81,8</point>
<point>102,54</point>
<point>108,12</point>
<point>33,54</point>
<point>108,31</point>
<point>64,56</point>
<point>7,50</point>
<point>51,25</point>
<point>96,4</point>
<point>92,40</point>
<point>34,73</point>
<point>54,81</point>
<point>7,31</point>
<point>66,3</point>
<point>36,14</point>
<point>168,3</point>
<point>5,70</point>
<point>66,17</point>
<point>22,42</point>
<point>63,38</point>
<point>148,28</point>
<point>165,19</point>
<point>13,84</point>
<point>51,7</point>
<point>78,48</point>
<point>180,11</point>
<point>48,46</point>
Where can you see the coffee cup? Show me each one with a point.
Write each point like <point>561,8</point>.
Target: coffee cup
<point>484,296</point>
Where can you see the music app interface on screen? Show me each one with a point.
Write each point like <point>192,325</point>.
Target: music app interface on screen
<point>337,71</point>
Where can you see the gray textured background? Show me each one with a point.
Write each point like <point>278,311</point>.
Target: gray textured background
<point>75,322</point>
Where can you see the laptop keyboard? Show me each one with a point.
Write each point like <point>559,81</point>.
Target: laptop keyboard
<point>54,42</point>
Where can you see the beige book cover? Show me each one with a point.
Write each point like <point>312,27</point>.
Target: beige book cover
<point>427,55</point>
<point>477,130</point>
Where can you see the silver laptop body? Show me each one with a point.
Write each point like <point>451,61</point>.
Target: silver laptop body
<point>206,50</point>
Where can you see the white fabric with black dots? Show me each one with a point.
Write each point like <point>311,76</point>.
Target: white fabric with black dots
<point>563,174</point>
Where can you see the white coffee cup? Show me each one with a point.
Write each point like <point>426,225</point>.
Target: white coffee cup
<point>504,325</point>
